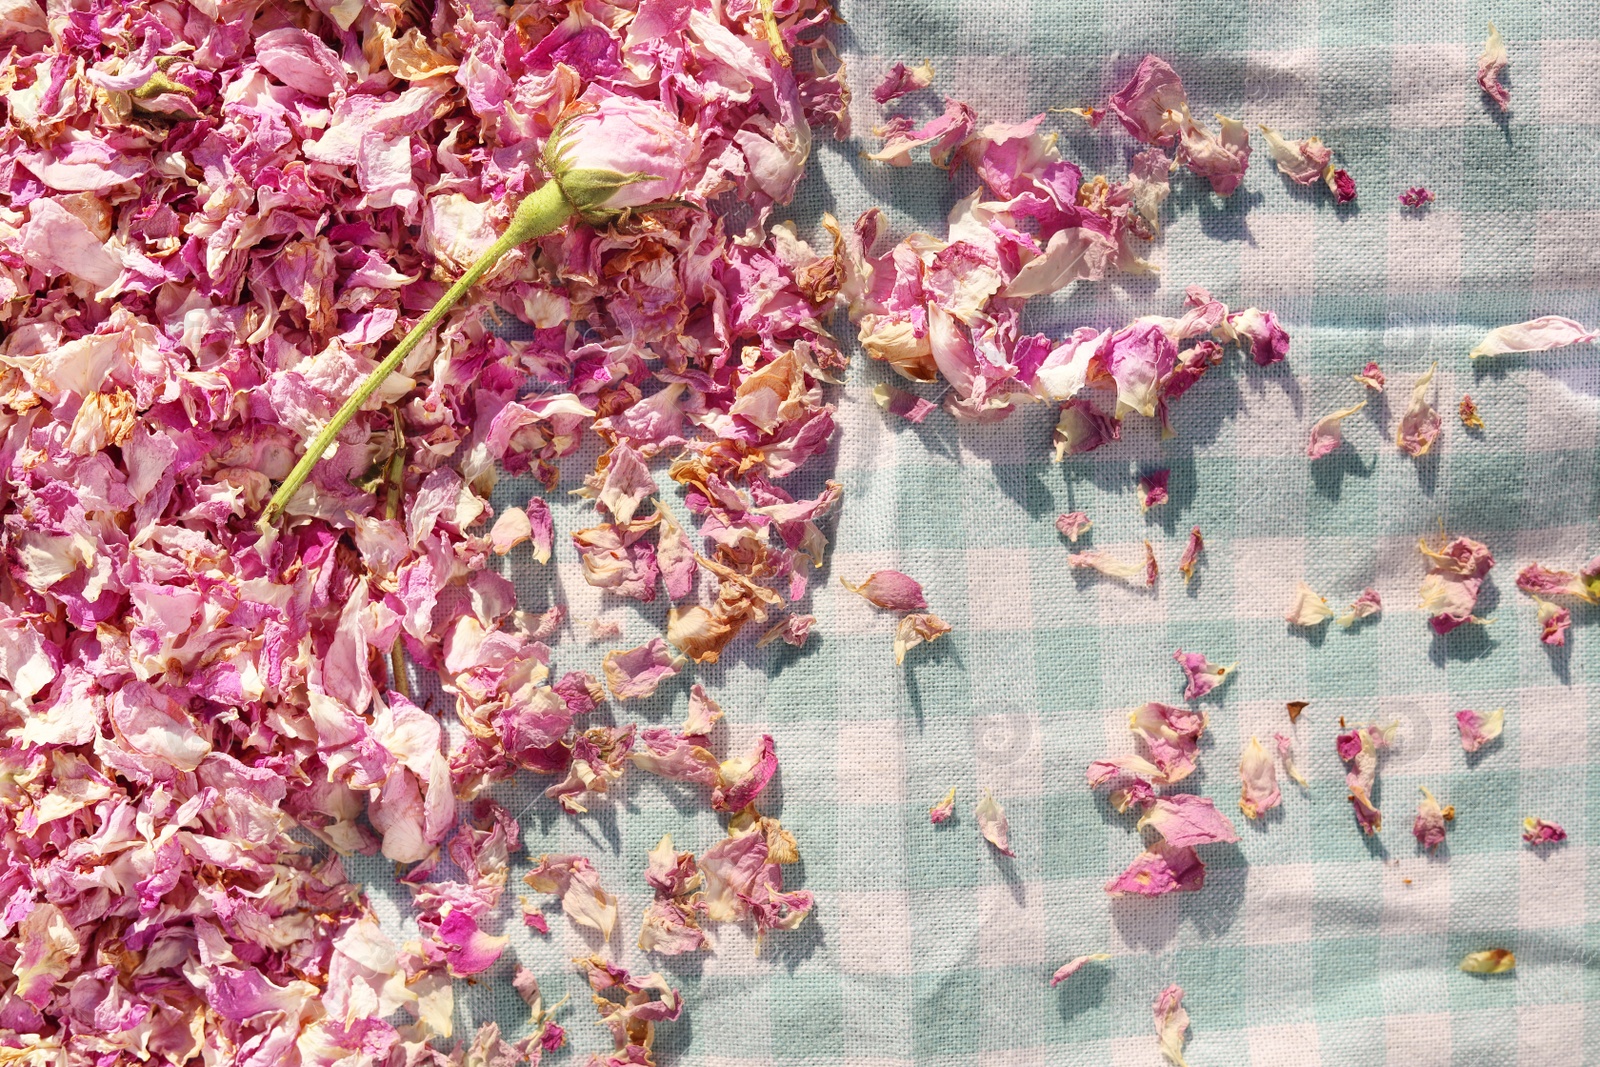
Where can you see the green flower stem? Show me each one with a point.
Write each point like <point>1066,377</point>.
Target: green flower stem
<point>544,211</point>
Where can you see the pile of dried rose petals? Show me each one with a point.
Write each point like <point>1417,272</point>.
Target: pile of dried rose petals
<point>214,220</point>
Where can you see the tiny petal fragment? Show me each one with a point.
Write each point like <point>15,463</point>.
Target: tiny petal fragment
<point>1416,197</point>
<point>1539,832</point>
<point>1302,162</point>
<point>1365,606</point>
<point>890,590</point>
<point>1171,1022</point>
<point>1307,608</point>
<point>1419,426</point>
<point>1258,777</point>
<point>1326,434</point>
<point>1286,754</point>
<point>1478,729</point>
<point>1372,377</point>
<point>1132,573</point>
<point>1554,620</point>
<point>1469,413</point>
<point>916,629</point>
<point>899,402</point>
<point>577,883</point>
<point>1537,335</point>
<point>1203,676</point>
<point>1067,970</point>
<point>945,808</point>
<point>1489,961</point>
<point>992,823</point>
<point>1491,61</point>
<point>1073,525</point>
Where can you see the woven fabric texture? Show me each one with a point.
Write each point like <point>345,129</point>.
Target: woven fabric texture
<point>1310,944</point>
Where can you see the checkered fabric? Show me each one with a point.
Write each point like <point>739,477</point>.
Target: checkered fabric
<point>1309,944</point>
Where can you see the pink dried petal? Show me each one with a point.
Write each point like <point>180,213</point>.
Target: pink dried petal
<point>741,779</point>
<point>1185,819</point>
<point>1073,524</point>
<point>1326,434</point>
<point>1450,589</point>
<point>1161,869</point>
<point>1478,728</point>
<point>1171,736</point>
<point>1342,186</point>
<point>1538,832</point>
<point>1191,554</point>
<point>898,402</point>
<point>1307,608</point>
<point>1554,621</point>
<point>1364,606</point>
<point>1429,827</point>
<point>1539,335</point>
<point>942,810</point>
<point>1258,777</point>
<point>1371,377</point>
<point>1153,489</point>
<point>1152,106</point>
<point>1286,754</point>
<point>791,629</point>
<point>889,590</point>
<point>1416,197</point>
<point>1202,676</point>
<point>1491,61</point>
<point>1171,1022</point>
<point>1259,333</point>
<point>1082,428</point>
<point>992,823</point>
<point>915,629</point>
<point>637,672</point>
<point>1301,161</point>
<point>577,883</point>
<point>901,80</point>
<point>1067,970</point>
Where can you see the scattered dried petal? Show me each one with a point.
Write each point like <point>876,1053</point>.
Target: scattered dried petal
<point>992,823</point>
<point>1153,489</point>
<point>1067,970</point>
<point>1258,777</point>
<point>1372,377</point>
<point>1489,961</point>
<point>1160,869</point>
<point>901,80</point>
<point>637,672</point>
<point>916,629</point>
<point>1450,589</point>
<point>1286,754</point>
<point>1554,621</point>
<point>1326,434</point>
<point>1202,676</point>
<point>1171,1022</point>
<point>1073,525</point>
<point>1186,819</point>
<point>1191,554</point>
<point>1538,335</point>
<point>1307,608</point>
<point>1416,197</point>
<point>1538,832</point>
<point>944,808</point>
<point>1420,425</point>
<point>890,590</point>
<point>1469,413</point>
<point>1295,708</point>
<point>1429,827</point>
<point>1478,729</point>
<point>1491,61</point>
<point>1365,606</point>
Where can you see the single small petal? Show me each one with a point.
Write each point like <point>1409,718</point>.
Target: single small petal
<point>1202,676</point>
<point>1132,573</point>
<point>1286,754</point>
<point>1307,608</point>
<point>1429,826</point>
<point>1491,61</point>
<point>1191,554</point>
<point>1419,426</point>
<point>1171,1022</point>
<point>1258,333</point>
<point>1538,335</point>
<point>1326,434</point>
<point>901,403</point>
<point>1469,413</point>
<point>1340,184</point>
<point>1185,819</point>
<point>1538,832</point>
<point>1478,729</point>
<point>1554,620</point>
<point>1160,869</point>
<point>1537,579</point>
<point>577,883</point>
<point>1416,197</point>
<point>1073,525</point>
<point>915,629</point>
<point>1153,104</point>
<point>1153,489</point>
<point>1372,377</point>
<point>1171,735</point>
<point>1082,428</point>
<point>901,80</point>
<point>1067,970</point>
<point>637,672</point>
<point>741,779</point>
<point>1365,606</point>
<point>1489,961</point>
<point>1450,589</point>
<point>944,808</point>
<point>703,713</point>
<point>1258,777</point>
<point>890,590</point>
<point>992,822</point>
<point>1301,161</point>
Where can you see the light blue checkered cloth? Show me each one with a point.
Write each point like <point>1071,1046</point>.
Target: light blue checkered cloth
<point>1309,944</point>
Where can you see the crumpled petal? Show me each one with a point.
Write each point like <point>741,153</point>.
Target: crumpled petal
<point>741,779</point>
<point>1372,377</point>
<point>1171,1022</point>
<point>1554,621</point>
<point>1153,489</point>
<point>889,590</point>
<point>1141,573</point>
<point>1153,104</point>
<point>915,629</point>
<point>1429,826</point>
<point>1301,161</point>
<point>1491,61</point>
<point>1258,777</point>
<point>1450,589</point>
<point>1307,608</point>
<point>1326,434</point>
<point>1202,676</point>
<point>1537,335</point>
<point>1067,970</point>
<point>1479,728</point>
<point>1419,426</point>
<point>1286,754</point>
<point>1171,736</point>
<point>945,808</point>
<point>1364,606</point>
<point>1191,554</point>
<point>577,883</point>
<point>1539,832</point>
<point>1489,961</point>
<point>1073,525</point>
<point>1468,411</point>
<point>901,80</point>
<point>1259,333</point>
<point>992,823</point>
